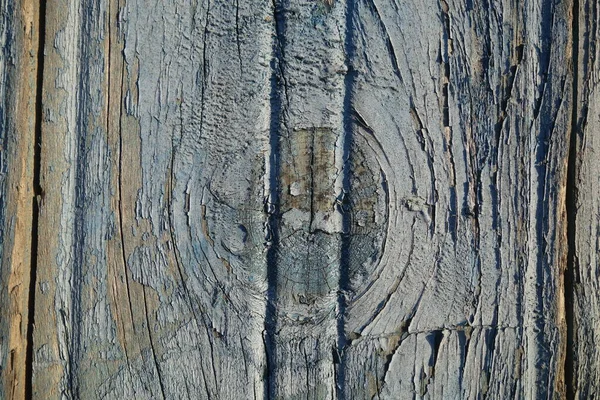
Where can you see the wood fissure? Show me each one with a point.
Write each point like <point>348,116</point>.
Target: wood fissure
<point>38,192</point>
<point>344,205</point>
<point>571,272</point>
<point>19,35</point>
<point>121,250</point>
<point>272,210</point>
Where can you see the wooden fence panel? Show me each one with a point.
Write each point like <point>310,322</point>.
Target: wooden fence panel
<point>291,199</point>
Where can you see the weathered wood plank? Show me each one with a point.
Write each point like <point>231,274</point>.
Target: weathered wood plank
<point>462,111</point>
<point>74,344</point>
<point>309,142</point>
<point>197,86</point>
<point>584,301</point>
<point>154,245</point>
<point>292,199</point>
<point>19,35</point>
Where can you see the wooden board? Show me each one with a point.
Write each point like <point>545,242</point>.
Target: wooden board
<point>583,299</point>
<point>19,33</point>
<point>329,199</point>
<point>461,117</point>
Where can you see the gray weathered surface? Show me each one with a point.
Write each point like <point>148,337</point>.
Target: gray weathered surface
<point>156,276</point>
<point>585,299</point>
<point>329,199</point>
<point>462,113</point>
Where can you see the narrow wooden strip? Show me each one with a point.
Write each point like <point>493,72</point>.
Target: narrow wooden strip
<point>583,307</point>
<point>193,144</point>
<point>311,67</point>
<point>20,34</point>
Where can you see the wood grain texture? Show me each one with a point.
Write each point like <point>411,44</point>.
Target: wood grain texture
<point>19,33</point>
<point>309,184</point>
<point>138,299</point>
<point>460,108</point>
<point>584,299</point>
<point>329,199</point>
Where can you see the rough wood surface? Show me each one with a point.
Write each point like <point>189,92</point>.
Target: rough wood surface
<point>329,199</point>
<point>461,112</point>
<point>584,198</point>
<point>19,34</point>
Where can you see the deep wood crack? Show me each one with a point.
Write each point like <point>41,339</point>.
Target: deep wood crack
<point>38,192</point>
<point>571,215</point>
<point>272,203</point>
<point>348,116</point>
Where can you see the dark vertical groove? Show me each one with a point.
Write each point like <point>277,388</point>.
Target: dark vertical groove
<point>37,191</point>
<point>272,202</point>
<point>7,22</point>
<point>344,268</point>
<point>571,204</point>
<point>545,205</point>
<point>88,17</point>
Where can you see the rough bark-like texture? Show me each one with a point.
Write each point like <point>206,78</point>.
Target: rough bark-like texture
<point>154,267</point>
<point>19,34</point>
<point>328,199</point>
<point>464,113</point>
<point>583,366</point>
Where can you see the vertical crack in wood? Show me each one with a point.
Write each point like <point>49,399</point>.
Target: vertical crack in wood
<point>152,349</point>
<point>571,271</point>
<point>120,173</point>
<point>38,192</point>
<point>272,203</point>
<point>74,321</point>
<point>344,204</point>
